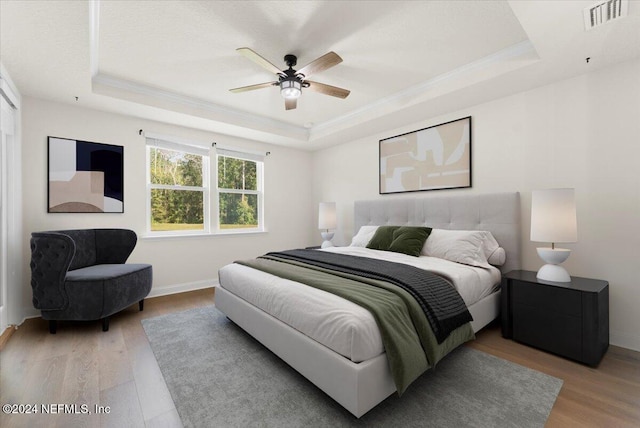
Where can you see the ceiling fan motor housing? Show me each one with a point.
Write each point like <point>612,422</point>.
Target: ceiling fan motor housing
<point>290,60</point>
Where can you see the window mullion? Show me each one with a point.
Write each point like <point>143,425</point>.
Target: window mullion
<point>239,191</point>
<point>173,187</point>
<point>215,197</point>
<point>149,187</point>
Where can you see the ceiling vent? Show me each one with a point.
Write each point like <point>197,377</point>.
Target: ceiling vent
<point>603,12</point>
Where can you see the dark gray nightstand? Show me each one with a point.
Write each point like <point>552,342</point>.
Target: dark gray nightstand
<point>570,319</point>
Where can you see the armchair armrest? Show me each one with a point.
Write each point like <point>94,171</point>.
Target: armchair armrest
<point>114,246</point>
<point>51,255</point>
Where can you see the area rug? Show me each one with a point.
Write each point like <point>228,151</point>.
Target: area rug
<point>220,376</point>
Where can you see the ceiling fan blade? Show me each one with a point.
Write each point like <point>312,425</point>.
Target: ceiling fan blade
<point>290,103</point>
<point>249,53</point>
<point>252,87</point>
<point>334,91</point>
<point>324,62</point>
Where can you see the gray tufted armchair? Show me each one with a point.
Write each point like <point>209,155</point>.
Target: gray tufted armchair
<point>81,274</point>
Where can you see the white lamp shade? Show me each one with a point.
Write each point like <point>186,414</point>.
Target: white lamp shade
<point>553,216</point>
<point>327,215</point>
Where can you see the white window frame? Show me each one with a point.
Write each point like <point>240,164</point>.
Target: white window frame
<point>211,193</point>
<point>167,144</point>
<point>247,156</point>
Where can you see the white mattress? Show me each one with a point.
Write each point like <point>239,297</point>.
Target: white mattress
<point>339,324</point>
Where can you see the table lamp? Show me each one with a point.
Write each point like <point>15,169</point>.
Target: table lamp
<point>553,219</point>
<point>327,220</point>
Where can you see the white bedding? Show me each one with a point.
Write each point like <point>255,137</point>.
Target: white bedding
<point>339,324</point>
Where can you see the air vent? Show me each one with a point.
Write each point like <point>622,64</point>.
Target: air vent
<point>603,12</point>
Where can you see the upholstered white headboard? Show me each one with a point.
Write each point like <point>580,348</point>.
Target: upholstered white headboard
<point>498,213</point>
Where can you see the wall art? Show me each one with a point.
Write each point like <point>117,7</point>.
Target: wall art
<point>85,177</point>
<point>433,158</point>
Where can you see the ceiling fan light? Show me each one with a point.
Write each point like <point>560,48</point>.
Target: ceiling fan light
<point>290,89</point>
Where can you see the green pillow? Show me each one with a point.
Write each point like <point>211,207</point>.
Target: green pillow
<point>382,238</point>
<point>409,240</point>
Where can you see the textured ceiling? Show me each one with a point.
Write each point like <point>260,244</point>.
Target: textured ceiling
<point>174,61</point>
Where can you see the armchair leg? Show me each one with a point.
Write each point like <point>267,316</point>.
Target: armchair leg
<point>105,324</point>
<point>141,305</point>
<point>53,326</point>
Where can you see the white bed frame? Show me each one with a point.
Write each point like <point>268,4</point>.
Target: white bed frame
<point>359,387</point>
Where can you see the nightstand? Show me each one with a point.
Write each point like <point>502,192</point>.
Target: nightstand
<point>570,319</point>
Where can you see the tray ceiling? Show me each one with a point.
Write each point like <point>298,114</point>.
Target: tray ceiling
<point>175,61</point>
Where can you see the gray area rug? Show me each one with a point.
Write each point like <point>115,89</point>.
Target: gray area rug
<point>220,376</point>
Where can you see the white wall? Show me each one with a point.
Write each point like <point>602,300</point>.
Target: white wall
<point>583,132</point>
<point>178,263</point>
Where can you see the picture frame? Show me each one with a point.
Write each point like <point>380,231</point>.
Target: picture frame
<point>433,158</point>
<point>84,177</point>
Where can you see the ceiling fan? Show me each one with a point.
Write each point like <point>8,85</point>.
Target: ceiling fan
<point>291,81</point>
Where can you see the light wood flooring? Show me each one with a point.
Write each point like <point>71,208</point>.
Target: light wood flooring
<point>82,365</point>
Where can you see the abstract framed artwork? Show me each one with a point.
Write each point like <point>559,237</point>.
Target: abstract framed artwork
<point>85,177</point>
<point>433,158</point>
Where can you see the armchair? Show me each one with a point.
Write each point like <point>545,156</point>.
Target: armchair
<point>81,275</point>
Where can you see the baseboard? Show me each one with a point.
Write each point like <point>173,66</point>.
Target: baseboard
<point>29,313</point>
<point>625,340</point>
<point>6,334</point>
<point>182,288</point>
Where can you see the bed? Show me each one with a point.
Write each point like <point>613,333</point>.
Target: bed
<point>358,377</point>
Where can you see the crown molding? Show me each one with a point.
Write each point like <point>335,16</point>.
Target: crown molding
<point>105,85</point>
<point>485,68</point>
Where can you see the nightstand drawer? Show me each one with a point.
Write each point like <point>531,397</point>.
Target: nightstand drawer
<point>548,330</point>
<point>550,299</point>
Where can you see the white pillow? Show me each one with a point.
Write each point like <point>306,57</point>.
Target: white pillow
<point>493,251</point>
<point>363,236</point>
<point>460,246</point>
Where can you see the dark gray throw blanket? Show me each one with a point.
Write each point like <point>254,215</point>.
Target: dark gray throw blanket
<point>444,308</point>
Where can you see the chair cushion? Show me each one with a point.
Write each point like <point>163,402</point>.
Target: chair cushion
<point>103,272</point>
<point>99,291</point>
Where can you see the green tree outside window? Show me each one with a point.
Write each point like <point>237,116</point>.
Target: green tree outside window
<point>237,187</point>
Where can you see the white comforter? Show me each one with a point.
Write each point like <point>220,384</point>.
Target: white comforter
<point>339,324</point>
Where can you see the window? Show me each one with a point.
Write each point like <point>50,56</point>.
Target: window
<point>178,187</point>
<point>239,190</point>
<point>184,199</point>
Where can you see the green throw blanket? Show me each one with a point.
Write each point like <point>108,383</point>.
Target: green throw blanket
<point>409,342</point>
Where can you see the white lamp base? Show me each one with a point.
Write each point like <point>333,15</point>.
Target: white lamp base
<point>552,271</point>
<point>327,236</point>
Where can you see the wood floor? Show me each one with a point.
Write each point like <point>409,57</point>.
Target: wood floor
<point>83,365</point>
